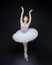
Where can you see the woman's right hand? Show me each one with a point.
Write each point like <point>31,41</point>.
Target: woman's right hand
<point>22,8</point>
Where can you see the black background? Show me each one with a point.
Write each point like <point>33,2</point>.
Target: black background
<point>39,50</point>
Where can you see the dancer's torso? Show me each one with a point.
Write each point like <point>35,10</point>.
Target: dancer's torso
<point>24,28</point>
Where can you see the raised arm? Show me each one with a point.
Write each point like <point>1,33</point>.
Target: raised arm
<point>30,17</point>
<point>21,18</point>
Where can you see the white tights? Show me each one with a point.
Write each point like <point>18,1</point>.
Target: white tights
<point>25,51</point>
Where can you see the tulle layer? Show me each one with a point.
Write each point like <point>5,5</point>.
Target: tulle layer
<point>26,37</point>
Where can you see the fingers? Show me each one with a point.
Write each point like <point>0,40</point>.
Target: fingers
<point>22,8</point>
<point>30,10</point>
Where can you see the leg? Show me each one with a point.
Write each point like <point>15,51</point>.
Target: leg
<point>25,51</point>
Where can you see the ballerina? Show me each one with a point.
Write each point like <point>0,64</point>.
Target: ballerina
<point>26,34</point>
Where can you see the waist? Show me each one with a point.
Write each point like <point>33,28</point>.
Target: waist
<point>24,29</point>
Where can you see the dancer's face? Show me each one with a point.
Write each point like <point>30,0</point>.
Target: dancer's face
<point>25,19</point>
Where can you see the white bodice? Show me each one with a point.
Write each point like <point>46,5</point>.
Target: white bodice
<point>24,28</point>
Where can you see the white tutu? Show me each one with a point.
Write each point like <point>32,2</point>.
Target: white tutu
<point>26,37</point>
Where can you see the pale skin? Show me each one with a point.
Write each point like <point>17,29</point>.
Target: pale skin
<point>25,18</point>
<point>25,23</point>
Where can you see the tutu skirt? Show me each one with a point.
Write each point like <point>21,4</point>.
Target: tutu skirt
<point>26,37</point>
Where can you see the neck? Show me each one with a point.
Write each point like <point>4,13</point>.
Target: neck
<point>25,22</point>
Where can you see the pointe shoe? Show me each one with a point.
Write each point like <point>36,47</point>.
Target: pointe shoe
<point>26,57</point>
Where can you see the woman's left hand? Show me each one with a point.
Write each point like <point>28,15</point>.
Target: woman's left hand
<point>30,10</point>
